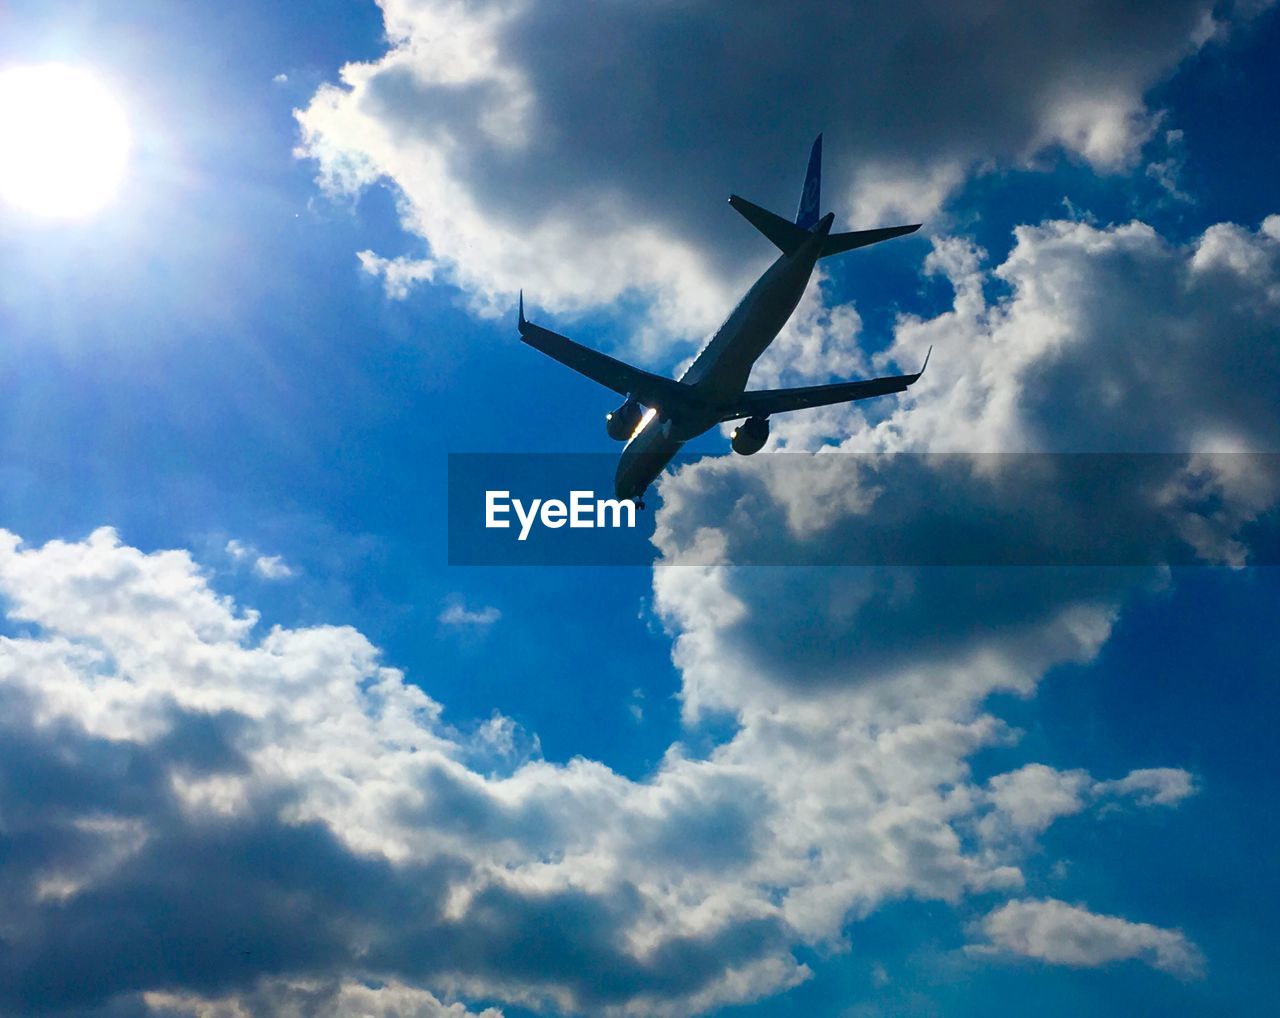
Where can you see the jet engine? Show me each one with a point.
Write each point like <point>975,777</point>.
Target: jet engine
<point>621,423</point>
<point>749,436</point>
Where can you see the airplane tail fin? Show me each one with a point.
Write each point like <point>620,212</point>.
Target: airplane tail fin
<point>785,235</point>
<point>789,236</point>
<point>811,196</point>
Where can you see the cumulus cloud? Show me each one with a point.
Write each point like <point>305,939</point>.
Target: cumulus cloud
<point>583,172</point>
<point>1029,799</point>
<point>316,999</point>
<point>181,752</point>
<point>1061,934</point>
<point>1026,801</point>
<point>1108,339</point>
<point>227,817</point>
<point>203,817</point>
<point>1111,339</point>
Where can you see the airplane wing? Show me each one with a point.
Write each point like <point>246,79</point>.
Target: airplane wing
<point>763,402</point>
<point>644,386</point>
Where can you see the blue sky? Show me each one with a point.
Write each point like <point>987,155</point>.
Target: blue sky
<point>401,784</point>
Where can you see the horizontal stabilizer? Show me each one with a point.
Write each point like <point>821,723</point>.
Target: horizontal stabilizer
<point>764,402</point>
<point>787,237</point>
<point>838,243</point>
<point>646,388</point>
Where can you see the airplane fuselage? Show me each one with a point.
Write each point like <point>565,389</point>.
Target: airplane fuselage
<point>719,374</point>
<point>714,388</point>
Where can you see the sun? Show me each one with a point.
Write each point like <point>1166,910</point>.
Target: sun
<point>64,141</point>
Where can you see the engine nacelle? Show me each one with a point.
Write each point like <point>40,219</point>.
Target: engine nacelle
<point>621,423</point>
<point>750,436</point>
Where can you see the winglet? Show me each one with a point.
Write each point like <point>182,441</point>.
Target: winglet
<point>926,362</point>
<point>521,322</point>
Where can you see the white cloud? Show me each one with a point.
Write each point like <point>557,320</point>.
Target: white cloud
<point>1160,786</point>
<point>398,274</point>
<point>181,757</point>
<point>1026,801</point>
<point>316,999</point>
<point>420,855</point>
<point>1100,346</point>
<point>456,613</point>
<point>516,169</point>
<point>269,567</point>
<point>1167,171</point>
<point>636,707</point>
<point>1029,799</point>
<point>403,862</point>
<point>423,855</point>
<point>1061,934</point>
<point>1109,339</point>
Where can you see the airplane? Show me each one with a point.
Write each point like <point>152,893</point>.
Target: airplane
<point>658,415</point>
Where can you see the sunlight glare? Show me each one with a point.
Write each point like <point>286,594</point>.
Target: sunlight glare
<point>64,141</point>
